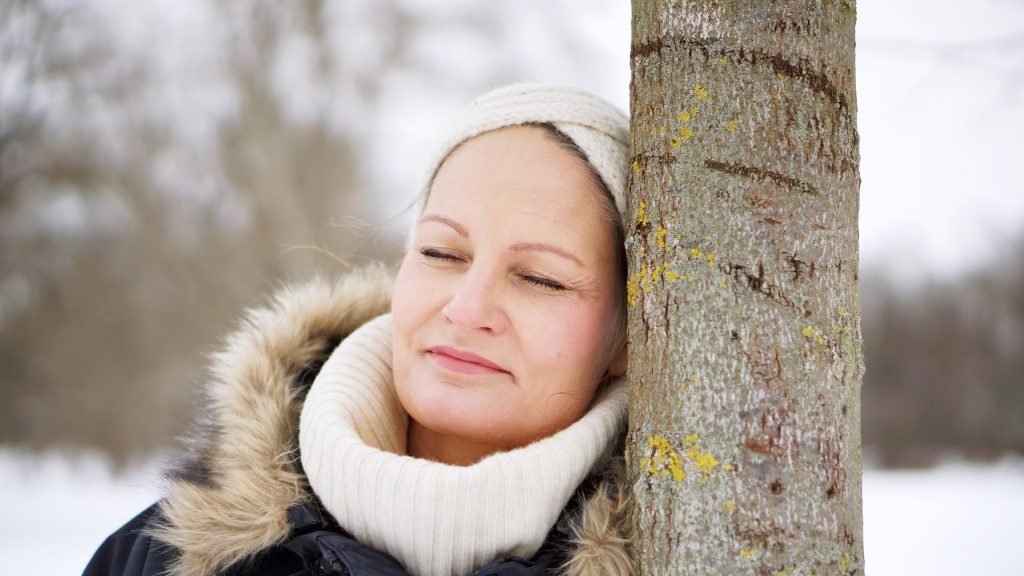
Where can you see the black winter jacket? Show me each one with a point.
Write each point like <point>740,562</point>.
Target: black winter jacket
<point>315,547</point>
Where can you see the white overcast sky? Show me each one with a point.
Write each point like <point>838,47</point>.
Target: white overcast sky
<point>941,112</point>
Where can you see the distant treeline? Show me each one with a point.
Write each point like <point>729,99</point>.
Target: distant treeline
<point>945,365</point>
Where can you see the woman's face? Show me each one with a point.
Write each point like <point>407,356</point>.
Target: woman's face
<point>506,304</point>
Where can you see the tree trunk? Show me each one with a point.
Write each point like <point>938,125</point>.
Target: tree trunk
<point>745,346</point>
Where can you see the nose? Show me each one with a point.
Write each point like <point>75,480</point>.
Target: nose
<point>475,302</point>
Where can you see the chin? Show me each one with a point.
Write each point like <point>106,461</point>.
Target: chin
<point>486,413</point>
<point>463,413</point>
<point>494,423</point>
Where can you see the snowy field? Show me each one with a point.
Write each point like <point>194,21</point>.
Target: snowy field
<point>954,520</point>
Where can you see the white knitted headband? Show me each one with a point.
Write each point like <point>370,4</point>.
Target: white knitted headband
<point>596,127</point>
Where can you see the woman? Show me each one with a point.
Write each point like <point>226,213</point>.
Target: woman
<point>471,430</point>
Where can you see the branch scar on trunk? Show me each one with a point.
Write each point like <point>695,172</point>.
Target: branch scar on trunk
<point>761,174</point>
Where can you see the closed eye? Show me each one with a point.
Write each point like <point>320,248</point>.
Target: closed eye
<point>436,254</point>
<point>545,283</point>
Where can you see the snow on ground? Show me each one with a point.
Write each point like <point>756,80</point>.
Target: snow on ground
<point>953,520</point>
<point>55,510</point>
<point>957,519</point>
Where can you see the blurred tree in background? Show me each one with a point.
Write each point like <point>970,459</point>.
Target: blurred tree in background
<point>945,365</point>
<point>143,203</point>
<point>164,164</point>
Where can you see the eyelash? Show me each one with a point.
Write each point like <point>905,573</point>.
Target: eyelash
<point>543,283</point>
<point>434,254</point>
<point>539,281</point>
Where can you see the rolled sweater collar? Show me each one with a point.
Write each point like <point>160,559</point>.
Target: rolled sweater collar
<point>434,518</point>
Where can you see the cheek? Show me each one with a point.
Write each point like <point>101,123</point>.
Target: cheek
<point>406,312</point>
<point>571,344</point>
<point>406,308</point>
<point>409,311</point>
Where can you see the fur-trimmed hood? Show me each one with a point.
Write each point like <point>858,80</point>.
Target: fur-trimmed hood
<point>229,498</point>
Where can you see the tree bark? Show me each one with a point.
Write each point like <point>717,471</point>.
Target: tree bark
<point>745,347</point>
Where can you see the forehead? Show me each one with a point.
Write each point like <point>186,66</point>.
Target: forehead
<point>519,171</point>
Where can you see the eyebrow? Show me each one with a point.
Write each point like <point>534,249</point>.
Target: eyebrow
<point>540,247</point>
<point>459,228</point>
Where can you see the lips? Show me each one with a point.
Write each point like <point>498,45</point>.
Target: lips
<point>463,362</point>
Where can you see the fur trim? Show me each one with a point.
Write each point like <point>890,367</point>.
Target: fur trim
<point>600,542</point>
<point>228,500</point>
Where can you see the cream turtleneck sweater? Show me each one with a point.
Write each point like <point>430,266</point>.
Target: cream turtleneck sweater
<point>436,519</point>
